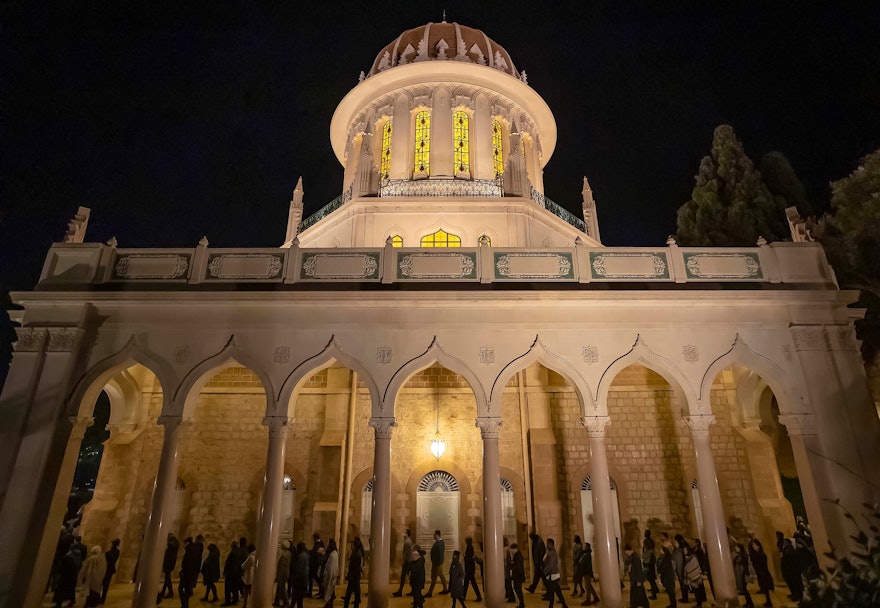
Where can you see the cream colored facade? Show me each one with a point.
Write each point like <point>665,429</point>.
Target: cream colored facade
<point>552,366</point>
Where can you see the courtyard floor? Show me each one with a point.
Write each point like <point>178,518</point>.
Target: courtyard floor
<point>120,596</point>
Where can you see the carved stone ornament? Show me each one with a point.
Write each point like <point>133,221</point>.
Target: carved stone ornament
<point>78,426</point>
<point>282,354</point>
<point>629,265</point>
<point>596,425</point>
<point>590,354</point>
<point>383,427</point>
<point>799,424</point>
<point>384,355</point>
<point>277,425</point>
<point>490,428</point>
<point>62,339</point>
<point>30,339</point>
<point>689,352</point>
<point>245,266</point>
<point>808,338</point>
<point>699,425</point>
<point>151,266</point>
<point>487,354</point>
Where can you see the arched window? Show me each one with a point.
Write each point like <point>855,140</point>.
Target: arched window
<point>484,241</point>
<point>497,158</point>
<point>461,137</point>
<point>288,500</point>
<point>421,165</point>
<point>698,508</point>
<point>508,510</point>
<point>397,241</point>
<point>386,151</point>
<point>438,503</point>
<point>441,238</point>
<point>366,512</point>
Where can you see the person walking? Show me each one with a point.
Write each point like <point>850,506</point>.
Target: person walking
<point>703,558</point>
<point>678,556</point>
<point>637,595</point>
<point>211,572</point>
<point>316,560</point>
<point>66,581</point>
<point>470,569</point>
<point>791,570</point>
<point>666,570</point>
<point>231,576</point>
<point>517,574</point>
<point>247,573</point>
<point>299,575</point>
<point>539,549</point>
<point>577,576</point>
<point>169,561</point>
<point>591,597</point>
<point>457,587</point>
<point>438,555</point>
<point>762,572</point>
<point>509,595</point>
<point>693,575</point>
<point>649,562</point>
<point>353,576</point>
<point>92,576</point>
<point>404,562</point>
<point>331,573</point>
<point>190,567</point>
<point>741,573</point>
<point>111,557</point>
<point>552,575</point>
<point>417,576</point>
<point>282,575</point>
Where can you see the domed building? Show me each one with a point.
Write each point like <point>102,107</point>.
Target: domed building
<point>440,347</point>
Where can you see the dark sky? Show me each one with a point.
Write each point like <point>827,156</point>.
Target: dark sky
<point>174,121</point>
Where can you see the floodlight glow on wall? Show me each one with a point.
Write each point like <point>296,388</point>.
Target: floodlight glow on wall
<point>438,446</point>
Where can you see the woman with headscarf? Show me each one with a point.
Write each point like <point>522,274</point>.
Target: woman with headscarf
<point>331,573</point>
<point>92,576</point>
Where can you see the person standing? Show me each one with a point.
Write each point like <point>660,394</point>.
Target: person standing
<point>678,556</point>
<point>169,561</point>
<point>331,573</point>
<point>231,576</point>
<point>299,575</point>
<point>538,552</point>
<point>457,587</point>
<point>649,562</point>
<point>703,558</point>
<point>190,567</point>
<point>92,576</point>
<point>248,567</point>
<point>417,576</point>
<point>211,572</point>
<point>517,574</point>
<point>282,575</point>
<point>438,555</point>
<point>666,570</point>
<point>316,557</point>
<point>637,595</point>
<point>509,596</point>
<point>741,573</point>
<point>404,562</point>
<point>591,597</point>
<point>552,575</point>
<point>693,575</point>
<point>577,576</point>
<point>791,570</point>
<point>470,569</point>
<point>111,557</point>
<point>68,572</point>
<point>355,567</point>
<point>762,571</point>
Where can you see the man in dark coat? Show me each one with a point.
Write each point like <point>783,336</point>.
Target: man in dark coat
<point>168,564</point>
<point>438,555</point>
<point>299,575</point>
<point>649,561</point>
<point>517,574</point>
<point>470,568</point>
<point>231,576</point>
<point>190,567</point>
<point>112,556</point>
<point>80,547</point>
<point>316,559</point>
<point>417,576</point>
<point>666,570</point>
<point>637,595</point>
<point>404,567</point>
<point>538,552</point>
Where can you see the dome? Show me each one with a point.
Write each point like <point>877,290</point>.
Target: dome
<point>443,41</point>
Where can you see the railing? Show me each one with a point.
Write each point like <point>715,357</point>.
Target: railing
<point>326,210</point>
<point>557,210</point>
<point>440,187</point>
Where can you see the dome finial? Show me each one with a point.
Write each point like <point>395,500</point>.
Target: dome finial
<point>444,15</point>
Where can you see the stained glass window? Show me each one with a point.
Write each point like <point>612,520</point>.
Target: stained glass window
<point>397,241</point>
<point>386,151</point>
<point>462,142</point>
<point>423,142</point>
<point>496,147</point>
<point>441,238</point>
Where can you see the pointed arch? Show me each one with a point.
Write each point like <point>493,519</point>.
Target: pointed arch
<point>435,353</point>
<point>641,353</point>
<point>330,354</point>
<point>90,385</point>
<point>188,392</point>
<point>781,383</point>
<point>538,352</point>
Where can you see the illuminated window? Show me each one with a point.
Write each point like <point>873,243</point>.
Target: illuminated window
<point>484,241</point>
<point>441,238</point>
<point>423,143</point>
<point>496,147</point>
<point>386,151</point>
<point>462,142</point>
<point>397,241</point>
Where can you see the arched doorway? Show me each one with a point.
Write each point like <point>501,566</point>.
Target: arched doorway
<point>437,508</point>
<point>508,510</point>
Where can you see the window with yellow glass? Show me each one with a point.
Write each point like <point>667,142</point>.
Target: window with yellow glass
<point>497,147</point>
<point>441,238</point>
<point>461,135</point>
<point>422,157</point>
<point>386,151</point>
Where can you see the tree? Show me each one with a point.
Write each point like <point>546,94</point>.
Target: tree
<point>730,203</point>
<point>783,182</point>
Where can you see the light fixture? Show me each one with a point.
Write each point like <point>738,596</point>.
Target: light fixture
<point>438,446</point>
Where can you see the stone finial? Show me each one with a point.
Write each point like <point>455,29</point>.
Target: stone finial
<point>203,242</point>
<point>670,241</point>
<point>761,241</point>
<point>389,242</point>
<point>362,76</point>
<point>294,213</point>
<point>578,241</point>
<point>76,228</point>
<point>523,77</point>
<point>112,241</point>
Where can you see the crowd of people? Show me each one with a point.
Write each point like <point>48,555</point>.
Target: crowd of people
<point>76,568</point>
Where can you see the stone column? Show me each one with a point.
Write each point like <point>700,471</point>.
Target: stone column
<point>714,526</point>
<point>481,144</point>
<point>401,136</point>
<point>605,545</point>
<point>380,524</point>
<point>493,529</point>
<point>442,157</point>
<point>270,513</point>
<point>150,569</point>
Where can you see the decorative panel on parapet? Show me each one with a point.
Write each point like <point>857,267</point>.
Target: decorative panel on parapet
<point>722,265</point>
<point>643,265</point>
<point>142,266</point>
<point>266,267</point>
<point>336,265</point>
<point>533,265</point>
<point>436,265</point>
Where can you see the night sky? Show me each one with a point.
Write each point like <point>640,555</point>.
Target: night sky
<point>174,121</point>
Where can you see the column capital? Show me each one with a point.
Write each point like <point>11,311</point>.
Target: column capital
<point>799,424</point>
<point>596,425</point>
<point>171,423</point>
<point>490,428</point>
<point>383,426</point>
<point>277,425</point>
<point>699,425</point>
<point>78,426</point>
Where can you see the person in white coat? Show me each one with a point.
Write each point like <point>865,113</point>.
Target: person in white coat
<point>247,575</point>
<point>331,573</point>
<point>92,576</point>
